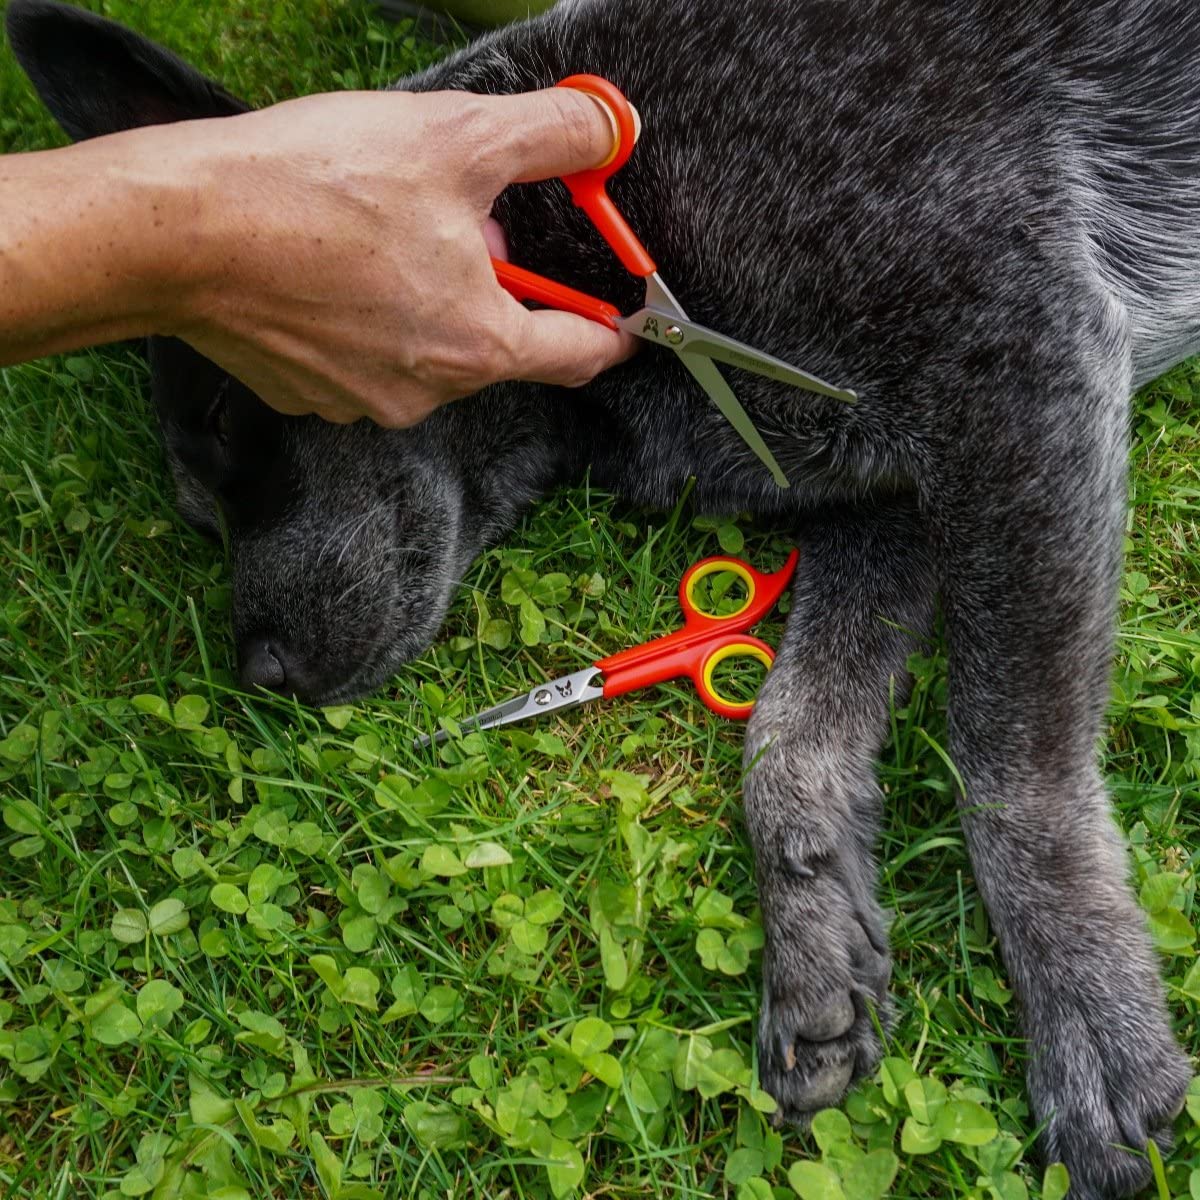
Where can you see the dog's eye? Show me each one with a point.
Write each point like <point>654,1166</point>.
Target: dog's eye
<point>216,420</point>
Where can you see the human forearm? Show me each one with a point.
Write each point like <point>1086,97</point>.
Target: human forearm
<point>330,252</point>
<point>92,242</point>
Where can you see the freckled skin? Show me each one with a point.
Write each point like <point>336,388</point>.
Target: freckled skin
<point>980,216</point>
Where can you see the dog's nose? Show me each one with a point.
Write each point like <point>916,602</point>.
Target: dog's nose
<point>263,665</point>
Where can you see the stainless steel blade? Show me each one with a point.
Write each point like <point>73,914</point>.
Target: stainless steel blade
<point>735,354</point>
<point>675,331</point>
<point>704,372</point>
<point>658,295</point>
<point>663,328</point>
<point>546,697</point>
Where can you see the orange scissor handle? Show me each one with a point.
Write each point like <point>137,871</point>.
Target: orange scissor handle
<point>762,592</point>
<point>716,652</point>
<point>588,188</point>
<point>705,640</point>
<point>589,192</point>
<point>527,285</point>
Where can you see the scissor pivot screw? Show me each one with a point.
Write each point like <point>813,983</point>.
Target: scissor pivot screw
<point>674,335</point>
<point>542,697</point>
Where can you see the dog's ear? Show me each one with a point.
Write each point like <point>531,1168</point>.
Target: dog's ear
<point>97,77</point>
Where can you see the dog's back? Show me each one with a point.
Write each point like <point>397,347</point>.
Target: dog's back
<point>1132,91</point>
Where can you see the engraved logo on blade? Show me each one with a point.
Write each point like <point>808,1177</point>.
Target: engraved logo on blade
<point>747,361</point>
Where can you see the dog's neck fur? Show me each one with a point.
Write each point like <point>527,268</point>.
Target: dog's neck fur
<point>526,440</point>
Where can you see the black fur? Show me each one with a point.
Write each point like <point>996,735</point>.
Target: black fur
<point>981,217</point>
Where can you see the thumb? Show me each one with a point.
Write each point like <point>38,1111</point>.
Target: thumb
<point>556,131</point>
<point>563,349</point>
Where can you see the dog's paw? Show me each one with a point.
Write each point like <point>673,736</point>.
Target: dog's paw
<point>825,975</point>
<point>1105,1087</point>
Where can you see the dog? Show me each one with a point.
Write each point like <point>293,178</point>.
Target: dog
<point>980,217</point>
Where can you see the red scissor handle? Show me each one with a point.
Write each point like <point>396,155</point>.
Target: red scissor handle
<point>527,285</point>
<point>704,641</point>
<point>588,190</point>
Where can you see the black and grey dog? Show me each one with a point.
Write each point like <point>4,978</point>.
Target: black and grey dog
<point>980,216</point>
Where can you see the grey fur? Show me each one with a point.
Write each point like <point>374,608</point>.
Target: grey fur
<point>981,216</point>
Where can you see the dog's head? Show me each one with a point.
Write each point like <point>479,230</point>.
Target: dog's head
<point>346,541</point>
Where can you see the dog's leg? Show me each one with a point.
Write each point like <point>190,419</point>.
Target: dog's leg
<point>1029,530</point>
<point>863,591</point>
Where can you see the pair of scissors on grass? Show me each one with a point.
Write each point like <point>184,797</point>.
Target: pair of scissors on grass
<point>661,319</point>
<point>696,650</point>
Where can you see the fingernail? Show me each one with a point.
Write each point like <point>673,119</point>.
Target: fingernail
<point>615,128</point>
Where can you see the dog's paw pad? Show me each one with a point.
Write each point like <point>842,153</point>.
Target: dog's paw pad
<point>1104,1092</point>
<point>825,1086</point>
<point>829,1022</point>
<point>811,1052</point>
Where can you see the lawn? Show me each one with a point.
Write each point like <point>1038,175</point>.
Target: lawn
<point>248,949</point>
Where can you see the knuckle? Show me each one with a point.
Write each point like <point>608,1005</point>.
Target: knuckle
<point>398,414</point>
<point>498,353</point>
<point>483,354</point>
<point>474,121</point>
<point>468,123</point>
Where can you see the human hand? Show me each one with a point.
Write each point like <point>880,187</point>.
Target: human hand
<point>338,262</point>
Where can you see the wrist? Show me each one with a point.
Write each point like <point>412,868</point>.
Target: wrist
<point>209,180</point>
<point>169,186</point>
<point>90,249</point>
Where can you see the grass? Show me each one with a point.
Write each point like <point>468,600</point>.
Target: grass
<point>250,949</point>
